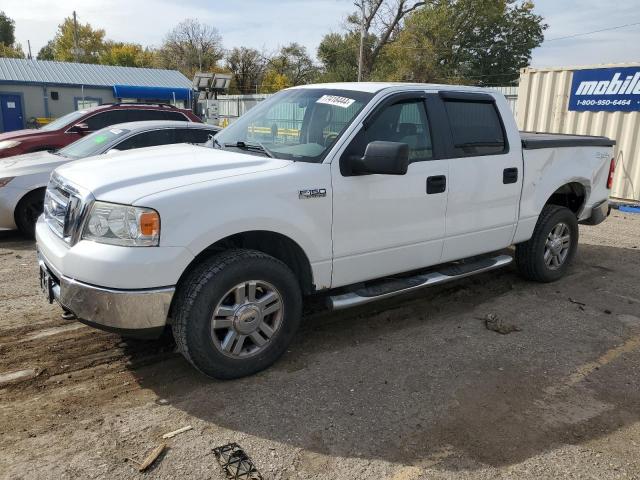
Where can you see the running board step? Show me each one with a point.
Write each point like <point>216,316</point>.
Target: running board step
<point>390,288</point>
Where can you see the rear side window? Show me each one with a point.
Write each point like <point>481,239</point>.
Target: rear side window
<point>106,119</point>
<point>175,116</point>
<point>148,139</point>
<point>193,135</point>
<point>146,114</point>
<point>476,128</point>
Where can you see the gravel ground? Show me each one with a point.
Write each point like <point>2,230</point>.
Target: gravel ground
<point>412,388</point>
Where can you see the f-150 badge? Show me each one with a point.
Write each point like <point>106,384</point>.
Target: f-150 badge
<point>312,193</point>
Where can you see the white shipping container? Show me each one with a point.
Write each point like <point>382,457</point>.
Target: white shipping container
<point>543,101</point>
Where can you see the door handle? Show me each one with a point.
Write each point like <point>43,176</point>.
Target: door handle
<point>510,175</point>
<point>436,184</point>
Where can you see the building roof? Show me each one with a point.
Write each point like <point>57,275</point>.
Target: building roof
<point>65,73</point>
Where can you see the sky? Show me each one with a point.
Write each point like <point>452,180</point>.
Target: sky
<point>268,24</point>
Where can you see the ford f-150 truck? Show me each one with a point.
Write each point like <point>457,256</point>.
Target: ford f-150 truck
<point>358,191</point>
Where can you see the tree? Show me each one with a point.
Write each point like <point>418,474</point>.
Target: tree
<point>8,46</point>
<point>127,55</point>
<point>273,82</point>
<point>484,42</point>
<point>11,51</point>
<point>338,54</point>
<point>47,52</point>
<point>382,21</point>
<point>191,46</point>
<point>294,63</point>
<point>90,43</point>
<point>247,65</point>
<point>7,30</point>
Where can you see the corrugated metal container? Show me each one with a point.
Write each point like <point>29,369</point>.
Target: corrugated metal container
<point>543,99</point>
<point>511,94</point>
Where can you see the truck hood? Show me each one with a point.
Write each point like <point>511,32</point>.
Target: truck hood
<point>125,177</point>
<point>30,163</point>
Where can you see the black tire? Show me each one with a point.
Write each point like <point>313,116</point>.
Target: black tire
<point>530,255</point>
<point>28,210</point>
<point>207,286</point>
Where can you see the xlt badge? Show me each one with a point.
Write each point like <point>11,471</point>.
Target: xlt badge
<point>312,193</point>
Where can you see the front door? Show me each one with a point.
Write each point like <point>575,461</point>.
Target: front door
<point>11,109</point>
<point>386,224</point>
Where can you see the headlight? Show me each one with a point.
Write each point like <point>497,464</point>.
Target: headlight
<point>5,180</point>
<point>122,225</point>
<point>9,144</point>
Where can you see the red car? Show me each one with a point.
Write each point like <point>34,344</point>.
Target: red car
<point>69,128</point>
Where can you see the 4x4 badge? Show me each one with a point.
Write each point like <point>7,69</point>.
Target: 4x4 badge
<point>312,193</point>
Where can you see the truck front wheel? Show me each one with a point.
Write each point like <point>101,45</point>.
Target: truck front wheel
<point>547,255</point>
<point>235,314</point>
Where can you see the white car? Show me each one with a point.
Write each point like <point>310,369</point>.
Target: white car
<point>23,178</point>
<point>358,191</point>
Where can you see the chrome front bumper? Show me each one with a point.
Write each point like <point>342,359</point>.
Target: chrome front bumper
<point>138,313</point>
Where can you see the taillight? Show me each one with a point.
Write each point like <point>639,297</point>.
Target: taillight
<point>612,170</point>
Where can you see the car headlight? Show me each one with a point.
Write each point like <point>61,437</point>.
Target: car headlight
<point>122,225</point>
<point>9,144</point>
<point>5,180</point>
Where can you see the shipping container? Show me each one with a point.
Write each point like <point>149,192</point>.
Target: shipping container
<point>550,101</point>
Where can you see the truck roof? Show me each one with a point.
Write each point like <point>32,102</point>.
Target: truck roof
<point>374,87</point>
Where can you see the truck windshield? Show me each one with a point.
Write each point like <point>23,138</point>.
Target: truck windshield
<point>299,124</point>
<point>93,144</point>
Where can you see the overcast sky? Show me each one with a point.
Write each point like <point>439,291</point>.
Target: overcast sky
<point>267,24</point>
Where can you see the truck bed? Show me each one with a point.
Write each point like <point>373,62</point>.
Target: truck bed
<point>535,140</point>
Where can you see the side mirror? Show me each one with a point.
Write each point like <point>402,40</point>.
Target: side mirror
<point>80,128</point>
<point>384,158</point>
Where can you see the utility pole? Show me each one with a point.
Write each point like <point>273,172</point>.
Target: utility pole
<point>362,34</point>
<point>76,50</point>
<point>29,45</point>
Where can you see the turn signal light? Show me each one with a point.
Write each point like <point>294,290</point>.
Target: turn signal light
<point>149,223</point>
<point>612,170</point>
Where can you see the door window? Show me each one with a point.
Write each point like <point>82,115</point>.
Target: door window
<point>193,135</point>
<point>476,128</point>
<point>148,139</point>
<point>175,116</point>
<point>145,114</point>
<point>403,122</point>
<point>106,119</point>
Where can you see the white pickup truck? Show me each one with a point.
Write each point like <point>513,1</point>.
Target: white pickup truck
<point>358,191</point>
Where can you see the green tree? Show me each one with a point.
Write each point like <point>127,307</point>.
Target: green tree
<point>7,30</point>
<point>127,55</point>
<point>483,42</point>
<point>294,63</point>
<point>11,51</point>
<point>90,43</point>
<point>191,47</point>
<point>47,52</point>
<point>247,65</point>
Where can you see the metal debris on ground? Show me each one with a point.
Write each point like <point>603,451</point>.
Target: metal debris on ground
<point>496,324</point>
<point>177,432</point>
<point>235,463</point>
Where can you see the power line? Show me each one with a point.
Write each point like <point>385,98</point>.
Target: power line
<point>592,32</point>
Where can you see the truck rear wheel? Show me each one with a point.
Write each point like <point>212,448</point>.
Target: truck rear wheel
<point>547,255</point>
<point>236,313</point>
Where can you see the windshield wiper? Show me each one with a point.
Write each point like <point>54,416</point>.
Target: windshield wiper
<point>257,147</point>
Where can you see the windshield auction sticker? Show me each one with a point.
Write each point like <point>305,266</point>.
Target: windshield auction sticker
<point>336,101</point>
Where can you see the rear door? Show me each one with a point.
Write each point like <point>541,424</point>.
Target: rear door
<point>485,176</point>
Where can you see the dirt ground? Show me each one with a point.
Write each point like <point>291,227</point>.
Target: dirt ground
<point>415,387</point>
